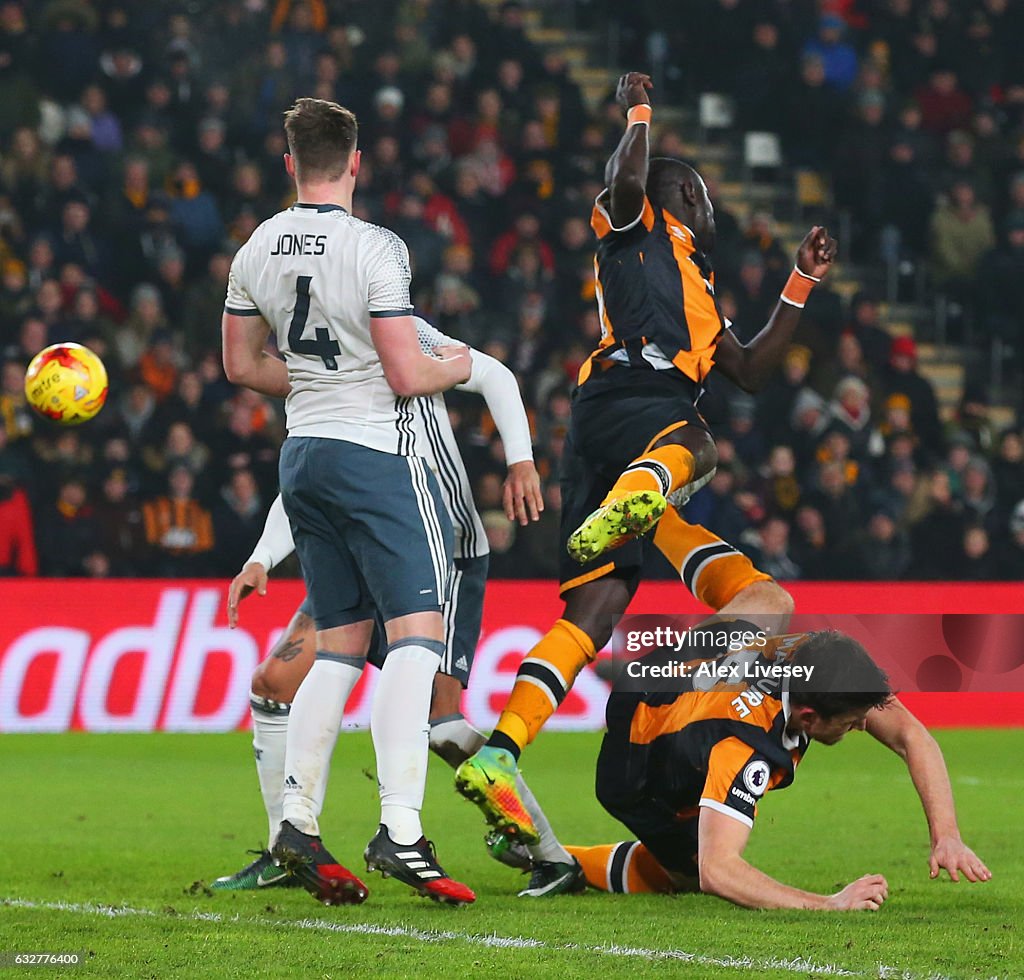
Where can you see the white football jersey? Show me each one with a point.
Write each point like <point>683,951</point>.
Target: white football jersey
<point>437,445</point>
<point>440,450</point>
<point>317,275</point>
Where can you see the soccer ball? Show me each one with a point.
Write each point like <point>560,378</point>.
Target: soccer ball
<point>66,383</point>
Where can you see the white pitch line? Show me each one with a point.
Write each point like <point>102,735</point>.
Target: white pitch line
<point>796,965</point>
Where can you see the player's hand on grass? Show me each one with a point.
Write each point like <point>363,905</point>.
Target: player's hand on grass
<point>456,352</point>
<point>522,496</point>
<point>251,578</point>
<point>864,894</point>
<point>957,858</point>
<point>632,90</point>
<point>816,253</point>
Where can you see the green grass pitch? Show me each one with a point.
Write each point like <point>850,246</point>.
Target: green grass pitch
<point>139,823</point>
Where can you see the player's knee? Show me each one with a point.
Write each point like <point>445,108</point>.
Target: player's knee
<point>596,607</point>
<point>699,442</point>
<point>273,680</point>
<point>770,597</point>
<point>705,452</point>
<point>259,684</point>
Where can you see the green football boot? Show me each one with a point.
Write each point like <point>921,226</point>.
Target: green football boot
<point>488,779</point>
<point>261,873</point>
<point>616,522</point>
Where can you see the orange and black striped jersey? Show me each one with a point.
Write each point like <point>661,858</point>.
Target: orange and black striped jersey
<point>655,296</point>
<point>718,743</point>
<point>182,527</point>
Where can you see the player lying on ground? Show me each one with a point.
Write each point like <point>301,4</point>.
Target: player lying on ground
<point>636,440</point>
<point>685,762</point>
<point>276,679</point>
<point>367,516</point>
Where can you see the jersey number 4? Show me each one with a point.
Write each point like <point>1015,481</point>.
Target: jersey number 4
<point>324,346</point>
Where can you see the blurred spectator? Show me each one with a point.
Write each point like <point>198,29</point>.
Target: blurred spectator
<point>851,415</point>
<point>1002,285</point>
<point>146,321</point>
<point>838,57</point>
<point>848,363</point>
<point>976,562</point>
<point>761,77</point>
<point>979,493</point>
<point>811,135</point>
<point>773,551</point>
<point>237,522</point>
<point>16,418</point>
<point>1010,553</point>
<point>865,323</point>
<point>1008,469</point>
<point>859,165</point>
<point>755,292</point>
<point>67,531</point>
<point>524,231</point>
<point>246,444</point>
<point>178,528</point>
<point>725,518</point>
<point>936,531</point>
<point>836,500</point>
<point>120,530</point>
<point>180,448</point>
<point>780,489</point>
<point>907,195</point>
<point>501,536</point>
<point>881,552</point>
<point>17,542</point>
<point>104,127</point>
<point>776,401</point>
<point>811,546</point>
<point>972,417</point>
<point>961,234</point>
<point>194,212</point>
<point>901,377</point>
<point>809,419</point>
<point>158,367</point>
<point>533,546</point>
<point>944,105</point>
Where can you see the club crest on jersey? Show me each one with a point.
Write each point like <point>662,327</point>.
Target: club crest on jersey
<point>755,777</point>
<point>308,244</point>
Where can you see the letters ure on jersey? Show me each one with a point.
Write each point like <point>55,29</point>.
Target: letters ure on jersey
<point>317,275</point>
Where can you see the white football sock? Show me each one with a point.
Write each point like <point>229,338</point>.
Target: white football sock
<point>313,727</point>
<point>269,739</point>
<point>454,739</point>
<point>548,847</point>
<point>398,724</point>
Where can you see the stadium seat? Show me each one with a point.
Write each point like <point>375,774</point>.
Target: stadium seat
<point>716,114</point>
<point>762,152</point>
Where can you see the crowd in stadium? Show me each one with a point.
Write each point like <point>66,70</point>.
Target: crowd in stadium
<point>139,146</point>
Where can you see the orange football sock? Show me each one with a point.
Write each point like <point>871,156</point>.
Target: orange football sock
<point>663,470</point>
<point>626,867</point>
<point>544,679</point>
<point>711,569</point>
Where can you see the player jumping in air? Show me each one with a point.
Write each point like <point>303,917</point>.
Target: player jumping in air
<point>366,512</point>
<point>636,443</point>
<point>277,678</point>
<point>685,762</point>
